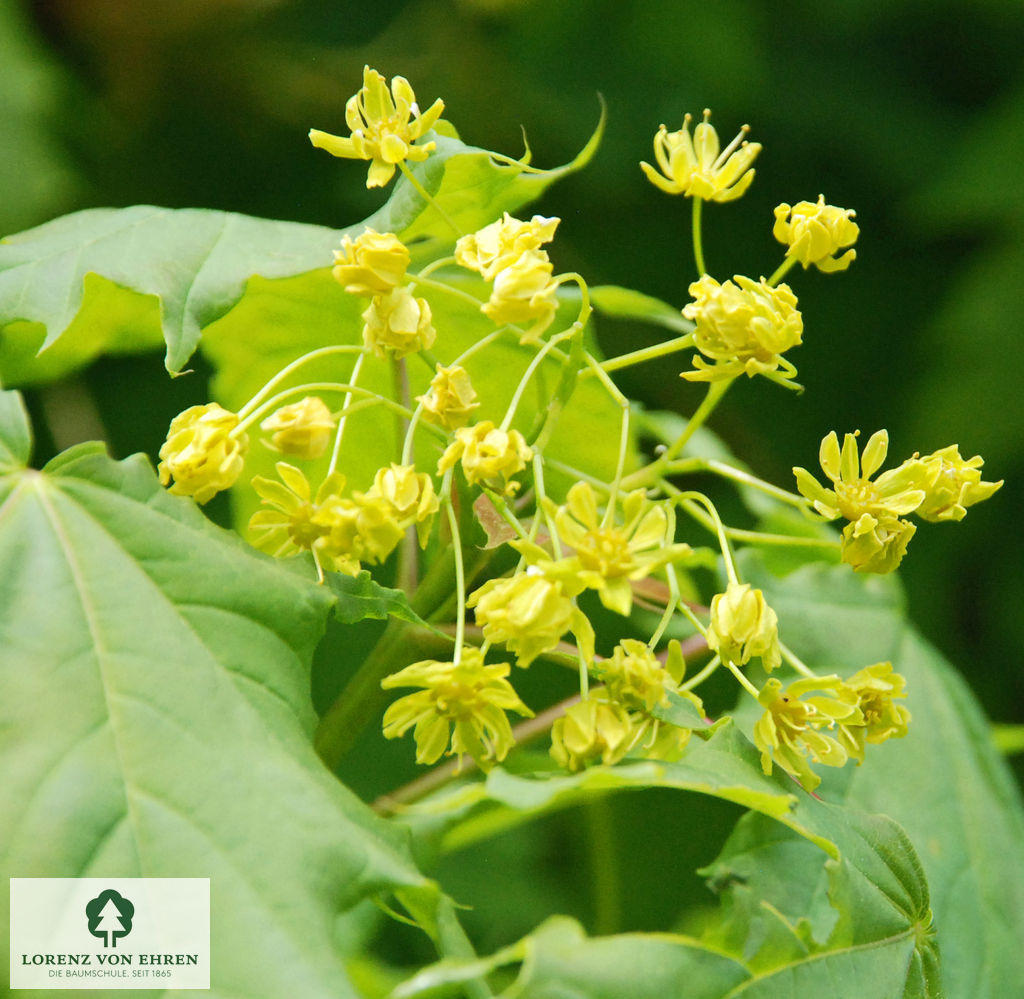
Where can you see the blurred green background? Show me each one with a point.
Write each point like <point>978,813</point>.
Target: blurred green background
<point>909,112</point>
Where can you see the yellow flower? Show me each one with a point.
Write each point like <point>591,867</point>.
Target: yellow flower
<point>694,166</point>
<point>592,730</point>
<point>816,232</point>
<point>875,544</point>
<point>460,711</point>
<point>489,456</point>
<point>202,454</point>
<point>384,127</point>
<point>743,625</point>
<point>743,327</point>
<point>524,292</point>
<point>790,727</point>
<point>288,528</point>
<point>451,399</point>
<point>410,497</point>
<point>612,555</point>
<point>876,687</point>
<point>356,530</point>
<point>634,676</point>
<point>371,264</point>
<point>957,485</point>
<point>502,243</point>
<point>893,494</point>
<point>302,429</point>
<point>399,322</point>
<point>528,612</point>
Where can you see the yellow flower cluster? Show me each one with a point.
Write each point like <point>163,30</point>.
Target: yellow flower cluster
<point>341,531</point>
<point>938,486</point>
<point>507,253</point>
<point>384,126</point>
<point>828,720</point>
<point>744,327</point>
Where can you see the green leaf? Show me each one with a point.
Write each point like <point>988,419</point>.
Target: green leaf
<point>195,261</point>
<point>361,597</point>
<point>168,273</point>
<point>470,186</point>
<point>156,722</point>
<point>944,783</point>
<point>15,433</point>
<point>880,945</point>
<point>560,960</point>
<point>624,303</point>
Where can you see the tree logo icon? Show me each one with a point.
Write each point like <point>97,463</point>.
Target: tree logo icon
<point>110,916</point>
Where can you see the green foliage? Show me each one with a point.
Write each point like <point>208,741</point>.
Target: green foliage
<point>158,669</point>
<point>157,715</point>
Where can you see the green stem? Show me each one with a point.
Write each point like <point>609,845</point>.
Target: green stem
<point>698,243</point>
<point>781,271</point>
<point>681,498</point>
<point>744,682</point>
<point>796,662</point>
<point>651,353</point>
<point>353,380</point>
<point>604,867</point>
<point>297,363</point>
<point>422,192</point>
<point>460,581</point>
<point>698,678</point>
<point>528,374</point>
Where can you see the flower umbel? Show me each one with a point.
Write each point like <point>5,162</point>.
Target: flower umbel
<point>815,232</point>
<point>744,327</point>
<point>371,264</point>
<point>202,455</point>
<point>790,728</point>
<point>384,127</point>
<point>460,711</point>
<point>302,429</point>
<point>743,626</point>
<point>696,167</point>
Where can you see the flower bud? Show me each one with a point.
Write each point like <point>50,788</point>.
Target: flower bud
<point>302,429</point>
<point>451,399</point>
<point>489,456</point>
<point>398,322</point>
<point>371,264</point>
<point>200,454</point>
<point>743,625</point>
<point>816,232</point>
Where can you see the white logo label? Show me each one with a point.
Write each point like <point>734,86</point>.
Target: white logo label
<point>110,933</point>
